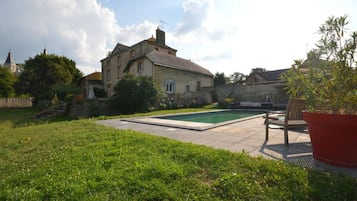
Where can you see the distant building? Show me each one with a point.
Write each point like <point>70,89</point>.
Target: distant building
<point>90,82</point>
<point>152,57</point>
<point>266,76</point>
<point>11,64</point>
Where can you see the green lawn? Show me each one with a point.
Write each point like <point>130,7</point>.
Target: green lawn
<point>80,160</point>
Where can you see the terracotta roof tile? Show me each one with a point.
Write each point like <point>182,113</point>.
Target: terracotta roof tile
<point>94,76</point>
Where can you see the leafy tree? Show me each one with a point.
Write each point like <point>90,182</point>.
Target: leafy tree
<point>237,77</point>
<point>63,90</point>
<point>134,94</point>
<point>220,79</point>
<point>43,72</point>
<point>99,93</point>
<point>328,79</point>
<point>7,80</point>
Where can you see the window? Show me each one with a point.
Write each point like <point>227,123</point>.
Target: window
<point>198,85</point>
<point>170,86</point>
<point>132,53</point>
<point>140,67</point>
<point>187,88</point>
<point>118,71</point>
<point>118,59</point>
<point>108,63</point>
<point>108,75</point>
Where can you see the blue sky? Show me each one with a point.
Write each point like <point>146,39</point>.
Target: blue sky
<point>135,12</point>
<point>223,36</point>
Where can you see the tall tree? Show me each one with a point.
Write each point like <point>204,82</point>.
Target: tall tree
<point>237,77</point>
<point>7,80</point>
<point>43,72</point>
<point>219,79</point>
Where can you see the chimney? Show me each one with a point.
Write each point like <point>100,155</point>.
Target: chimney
<point>160,36</point>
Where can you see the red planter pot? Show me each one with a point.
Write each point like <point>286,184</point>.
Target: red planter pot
<point>333,138</point>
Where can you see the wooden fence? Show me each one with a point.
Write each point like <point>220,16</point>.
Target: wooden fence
<point>15,102</point>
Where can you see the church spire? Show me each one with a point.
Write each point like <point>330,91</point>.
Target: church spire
<point>10,62</point>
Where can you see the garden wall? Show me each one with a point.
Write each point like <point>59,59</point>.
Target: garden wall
<point>273,92</point>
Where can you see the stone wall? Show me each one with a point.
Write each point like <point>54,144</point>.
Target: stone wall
<point>90,108</point>
<point>259,92</point>
<point>182,79</point>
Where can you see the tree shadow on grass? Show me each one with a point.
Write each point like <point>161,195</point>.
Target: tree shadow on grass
<point>24,117</point>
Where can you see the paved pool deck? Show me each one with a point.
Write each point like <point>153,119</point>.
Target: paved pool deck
<point>247,136</point>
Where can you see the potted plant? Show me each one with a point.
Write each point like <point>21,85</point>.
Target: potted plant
<point>328,82</point>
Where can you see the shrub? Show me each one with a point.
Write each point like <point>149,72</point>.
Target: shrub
<point>64,90</point>
<point>99,93</point>
<point>134,94</point>
<point>7,80</point>
<point>328,78</point>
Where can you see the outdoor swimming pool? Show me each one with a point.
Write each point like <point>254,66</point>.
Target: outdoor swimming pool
<point>199,121</point>
<point>212,117</point>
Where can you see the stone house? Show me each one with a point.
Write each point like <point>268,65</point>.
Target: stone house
<point>93,80</point>
<point>152,57</point>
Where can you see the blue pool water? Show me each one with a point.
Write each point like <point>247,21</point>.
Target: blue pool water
<point>212,117</point>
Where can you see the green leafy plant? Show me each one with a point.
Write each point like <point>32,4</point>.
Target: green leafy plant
<point>134,94</point>
<point>44,73</point>
<point>7,80</point>
<point>63,90</point>
<point>328,78</point>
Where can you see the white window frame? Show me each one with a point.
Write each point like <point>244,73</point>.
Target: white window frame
<point>140,67</point>
<point>170,86</point>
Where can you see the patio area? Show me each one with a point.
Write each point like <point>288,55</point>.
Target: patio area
<point>247,136</point>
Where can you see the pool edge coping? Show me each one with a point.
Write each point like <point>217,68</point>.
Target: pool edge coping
<point>195,128</point>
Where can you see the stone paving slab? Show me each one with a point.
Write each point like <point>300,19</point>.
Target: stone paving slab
<point>247,136</point>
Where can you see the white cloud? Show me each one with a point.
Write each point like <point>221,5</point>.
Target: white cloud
<point>236,36</point>
<point>223,36</point>
<point>130,35</point>
<point>195,12</point>
<point>81,30</point>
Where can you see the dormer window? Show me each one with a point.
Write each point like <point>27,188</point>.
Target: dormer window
<point>132,53</point>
